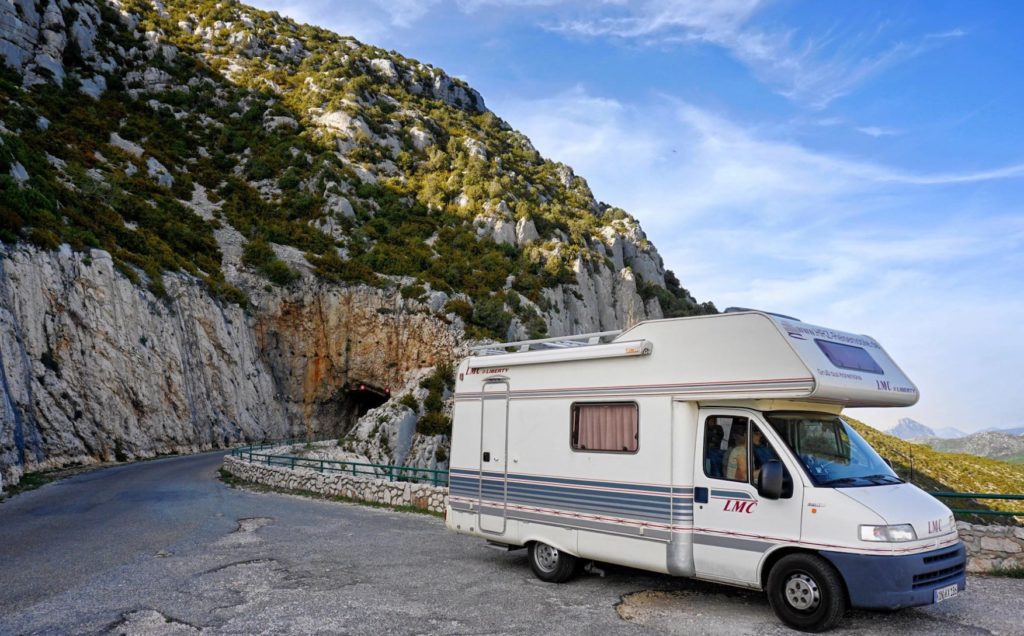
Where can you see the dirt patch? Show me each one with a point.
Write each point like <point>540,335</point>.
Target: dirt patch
<point>149,621</point>
<point>728,612</point>
<point>252,524</point>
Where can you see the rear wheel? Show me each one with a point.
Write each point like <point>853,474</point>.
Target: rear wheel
<point>806,593</point>
<point>551,564</point>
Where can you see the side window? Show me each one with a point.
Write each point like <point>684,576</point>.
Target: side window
<point>726,448</point>
<point>605,427</point>
<point>761,452</point>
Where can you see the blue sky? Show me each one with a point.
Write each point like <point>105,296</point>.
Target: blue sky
<point>858,165</point>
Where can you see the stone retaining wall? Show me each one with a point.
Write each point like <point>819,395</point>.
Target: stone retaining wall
<point>382,491</point>
<point>991,547</point>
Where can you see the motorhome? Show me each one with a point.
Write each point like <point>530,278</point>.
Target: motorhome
<point>710,447</point>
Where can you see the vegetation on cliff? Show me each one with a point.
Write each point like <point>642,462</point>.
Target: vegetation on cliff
<point>374,166</point>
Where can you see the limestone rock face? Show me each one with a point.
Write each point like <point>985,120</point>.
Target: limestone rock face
<point>526,232</point>
<point>603,300</point>
<point>321,340</point>
<point>94,368</point>
<point>34,38</point>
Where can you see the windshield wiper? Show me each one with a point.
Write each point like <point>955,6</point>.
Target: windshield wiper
<point>890,479</point>
<point>840,480</point>
<point>868,478</point>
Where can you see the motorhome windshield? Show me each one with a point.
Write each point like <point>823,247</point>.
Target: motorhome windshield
<point>833,454</point>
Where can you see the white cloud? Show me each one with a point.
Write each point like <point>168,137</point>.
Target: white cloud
<point>878,131</point>
<point>813,70</point>
<point>369,21</point>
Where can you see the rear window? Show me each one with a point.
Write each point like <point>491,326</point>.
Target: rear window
<point>849,357</point>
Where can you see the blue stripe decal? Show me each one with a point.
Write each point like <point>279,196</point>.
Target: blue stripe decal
<point>595,504</point>
<point>639,502</point>
<point>731,494</point>
<point>463,483</point>
<point>653,500</point>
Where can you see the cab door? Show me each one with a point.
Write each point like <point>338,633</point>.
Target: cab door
<point>733,525</point>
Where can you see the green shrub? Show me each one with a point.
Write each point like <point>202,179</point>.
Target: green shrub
<point>415,292</point>
<point>278,272</point>
<point>409,401</point>
<point>489,315</point>
<point>258,254</point>
<point>434,421</point>
<point>461,308</point>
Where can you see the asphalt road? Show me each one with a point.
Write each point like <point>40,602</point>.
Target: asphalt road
<point>163,547</point>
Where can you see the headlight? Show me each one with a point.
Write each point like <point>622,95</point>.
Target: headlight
<point>891,534</point>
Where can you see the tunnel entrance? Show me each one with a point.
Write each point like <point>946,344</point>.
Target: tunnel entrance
<point>362,397</point>
<point>337,416</point>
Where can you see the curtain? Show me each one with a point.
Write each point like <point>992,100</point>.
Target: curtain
<point>606,427</point>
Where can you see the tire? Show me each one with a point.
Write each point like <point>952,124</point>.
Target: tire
<point>551,564</point>
<point>806,593</point>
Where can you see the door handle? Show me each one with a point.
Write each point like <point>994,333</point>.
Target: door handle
<point>700,495</point>
<point>487,456</point>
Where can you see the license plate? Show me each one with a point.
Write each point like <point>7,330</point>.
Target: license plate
<point>946,593</point>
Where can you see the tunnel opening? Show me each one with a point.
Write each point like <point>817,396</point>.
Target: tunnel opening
<point>362,397</point>
<point>337,416</point>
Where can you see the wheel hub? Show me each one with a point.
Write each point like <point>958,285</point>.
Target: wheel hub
<point>547,557</point>
<point>802,592</point>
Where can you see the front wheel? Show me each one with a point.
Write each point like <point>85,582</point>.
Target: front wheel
<point>806,593</point>
<point>551,564</point>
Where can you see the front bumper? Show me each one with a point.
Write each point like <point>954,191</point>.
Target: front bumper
<point>891,582</point>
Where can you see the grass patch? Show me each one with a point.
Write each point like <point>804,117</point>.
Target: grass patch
<point>31,481</point>
<point>242,484</point>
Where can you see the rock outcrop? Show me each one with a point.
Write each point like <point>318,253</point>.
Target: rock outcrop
<point>95,368</point>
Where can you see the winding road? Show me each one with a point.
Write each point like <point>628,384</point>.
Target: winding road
<point>163,547</point>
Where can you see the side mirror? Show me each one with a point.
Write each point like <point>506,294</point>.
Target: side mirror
<point>769,480</point>
<point>888,462</point>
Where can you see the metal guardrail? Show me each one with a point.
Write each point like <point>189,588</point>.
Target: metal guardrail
<point>977,496</point>
<point>433,476</point>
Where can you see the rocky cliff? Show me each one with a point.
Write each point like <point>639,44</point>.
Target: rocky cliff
<point>218,225</point>
<point>95,368</point>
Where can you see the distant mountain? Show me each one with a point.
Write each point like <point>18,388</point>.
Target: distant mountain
<point>949,433</point>
<point>909,429</point>
<point>1017,430</point>
<point>994,445</point>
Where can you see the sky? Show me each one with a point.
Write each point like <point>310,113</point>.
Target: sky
<point>856,165</point>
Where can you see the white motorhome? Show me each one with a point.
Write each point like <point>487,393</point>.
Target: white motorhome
<point>709,447</point>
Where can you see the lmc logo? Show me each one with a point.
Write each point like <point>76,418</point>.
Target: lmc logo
<point>735,505</point>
